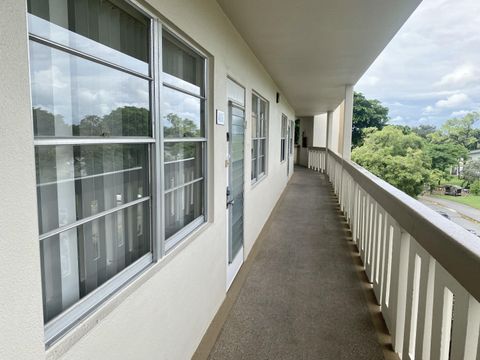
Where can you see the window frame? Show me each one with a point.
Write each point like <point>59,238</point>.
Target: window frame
<point>170,243</point>
<point>292,136</point>
<point>256,140</point>
<point>69,318</point>
<point>283,138</point>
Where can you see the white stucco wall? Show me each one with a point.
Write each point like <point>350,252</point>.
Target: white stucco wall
<point>320,130</point>
<point>165,312</point>
<point>21,319</point>
<point>337,131</point>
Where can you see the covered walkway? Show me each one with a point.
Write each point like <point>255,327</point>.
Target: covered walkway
<point>302,295</point>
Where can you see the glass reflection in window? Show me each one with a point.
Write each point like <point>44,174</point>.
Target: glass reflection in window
<point>72,96</point>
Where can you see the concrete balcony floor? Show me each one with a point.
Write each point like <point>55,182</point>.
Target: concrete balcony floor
<point>302,293</point>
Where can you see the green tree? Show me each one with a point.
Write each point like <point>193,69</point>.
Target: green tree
<point>461,131</point>
<point>396,157</point>
<point>475,188</point>
<point>471,171</point>
<point>424,130</point>
<point>445,154</point>
<point>366,114</point>
<point>177,127</point>
<point>127,121</point>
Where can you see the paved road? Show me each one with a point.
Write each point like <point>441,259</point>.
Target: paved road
<point>463,215</point>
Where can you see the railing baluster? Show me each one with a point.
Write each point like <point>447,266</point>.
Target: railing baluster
<point>428,313</point>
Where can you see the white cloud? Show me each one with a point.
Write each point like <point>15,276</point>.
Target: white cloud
<point>461,76</point>
<point>432,66</point>
<point>429,109</point>
<point>459,113</point>
<point>453,101</point>
<point>372,80</point>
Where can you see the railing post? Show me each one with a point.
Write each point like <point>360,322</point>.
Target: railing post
<point>328,139</point>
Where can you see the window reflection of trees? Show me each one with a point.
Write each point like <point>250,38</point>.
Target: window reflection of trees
<point>122,121</point>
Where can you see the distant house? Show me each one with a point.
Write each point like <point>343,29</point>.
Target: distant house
<point>474,155</point>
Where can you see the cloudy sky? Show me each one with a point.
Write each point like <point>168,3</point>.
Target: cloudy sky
<point>430,71</point>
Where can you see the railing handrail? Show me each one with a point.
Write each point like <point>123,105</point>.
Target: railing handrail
<point>459,252</point>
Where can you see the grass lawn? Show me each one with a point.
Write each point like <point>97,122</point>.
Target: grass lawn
<point>470,200</point>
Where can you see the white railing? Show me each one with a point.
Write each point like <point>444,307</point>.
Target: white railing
<point>316,159</point>
<point>424,269</point>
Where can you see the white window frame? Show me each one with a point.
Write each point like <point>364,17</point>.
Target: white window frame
<point>283,139</point>
<point>71,317</point>
<point>256,140</point>
<point>175,239</point>
<point>292,136</point>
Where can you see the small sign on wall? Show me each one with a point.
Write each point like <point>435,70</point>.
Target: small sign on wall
<point>220,116</point>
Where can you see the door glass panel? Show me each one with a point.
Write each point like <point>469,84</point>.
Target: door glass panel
<point>237,129</point>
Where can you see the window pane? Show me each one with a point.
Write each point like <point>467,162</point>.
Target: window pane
<point>72,96</point>
<point>254,158</point>
<point>254,125</point>
<point>77,261</point>
<point>263,118</point>
<point>261,156</point>
<point>182,206</point>
<point>183,163</point>
<point>255,118</point>
<point>182,67</point>
<point>119,27</point>
<point>74,182</point>
<point>182,114</point>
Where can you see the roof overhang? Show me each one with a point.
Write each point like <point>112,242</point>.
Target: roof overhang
<point>313,48</point>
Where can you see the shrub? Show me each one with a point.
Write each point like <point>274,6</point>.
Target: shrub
<point>475,188</point>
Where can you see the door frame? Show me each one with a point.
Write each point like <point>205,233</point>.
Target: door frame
<point>233,267</point>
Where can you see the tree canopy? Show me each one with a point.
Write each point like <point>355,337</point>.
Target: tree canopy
<point>471,171</point>
<point>396,157</point>
<point>366,114</point>
<point>461,131</point>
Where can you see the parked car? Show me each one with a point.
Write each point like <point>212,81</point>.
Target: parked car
<point>452,190</point>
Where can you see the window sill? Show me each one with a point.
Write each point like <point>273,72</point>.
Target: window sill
<point>90,321</point>
<point>259,180</point>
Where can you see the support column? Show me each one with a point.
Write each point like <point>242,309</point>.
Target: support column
<point>328,141</point>
<point>347,125</point>
<point>328,138</point>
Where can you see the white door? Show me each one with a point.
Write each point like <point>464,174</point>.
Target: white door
<point>235,175</point>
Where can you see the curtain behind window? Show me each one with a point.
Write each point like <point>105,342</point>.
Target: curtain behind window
<point>106,22</point>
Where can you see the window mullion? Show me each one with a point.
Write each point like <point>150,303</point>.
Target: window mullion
<point>159,154</point>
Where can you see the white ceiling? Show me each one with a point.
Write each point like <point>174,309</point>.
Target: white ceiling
<point>312,48</point>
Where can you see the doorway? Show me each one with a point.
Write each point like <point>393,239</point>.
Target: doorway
<point>235,178</point>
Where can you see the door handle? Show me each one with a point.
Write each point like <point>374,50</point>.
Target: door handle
<point>230,202</point>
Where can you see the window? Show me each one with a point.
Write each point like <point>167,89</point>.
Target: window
<point>92,80</point>
<point>183,116</point>
<point>283,138</point>
<point>259,137</point>
<point>290,141</point>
